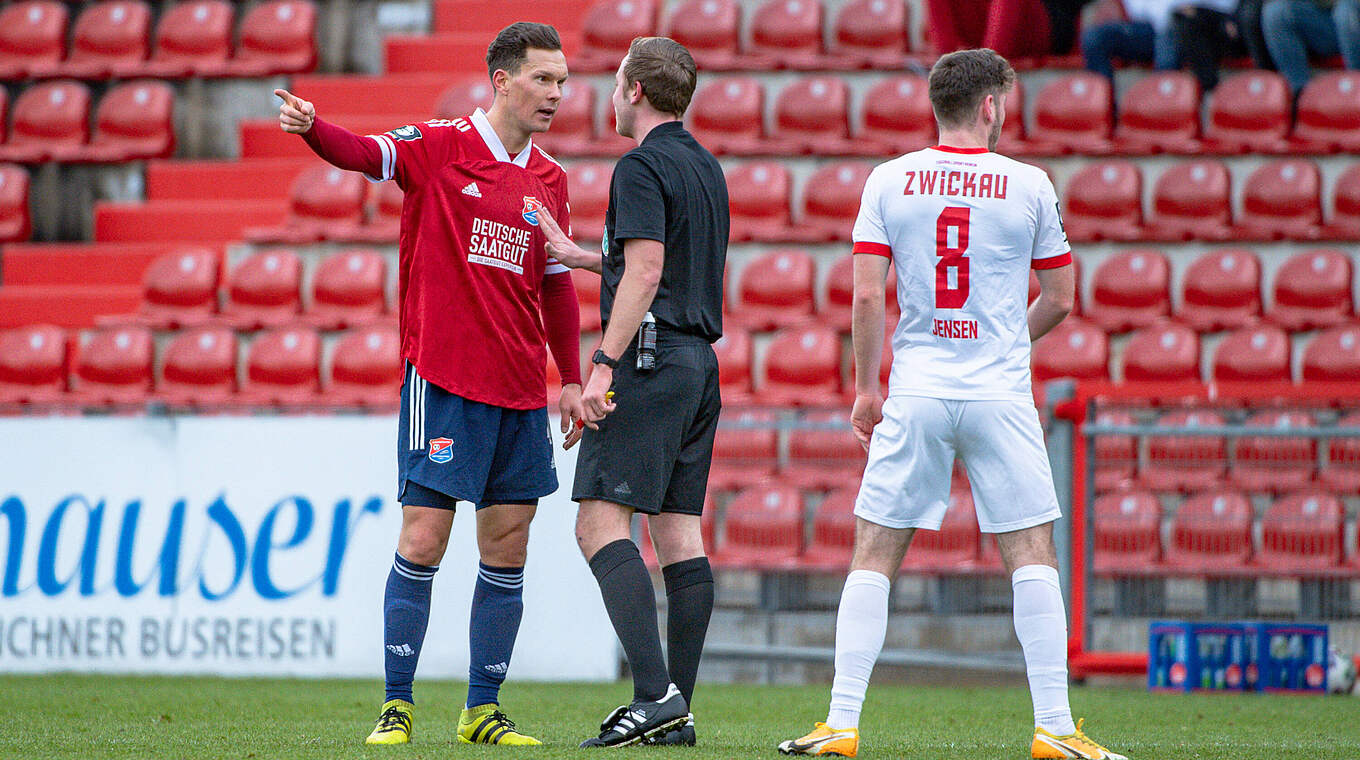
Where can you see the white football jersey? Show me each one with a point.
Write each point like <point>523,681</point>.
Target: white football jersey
<point>963,228</point>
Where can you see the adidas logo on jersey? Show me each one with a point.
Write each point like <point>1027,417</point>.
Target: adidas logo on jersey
<point>401,650</point>
<point>472,190</point>
<point>499,668</point>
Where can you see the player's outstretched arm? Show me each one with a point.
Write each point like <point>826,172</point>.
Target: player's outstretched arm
<point>295,114</point>
<point>866,335</point>
<point>564,249</point>
<point>338,146</point>
<point>1057,288</point>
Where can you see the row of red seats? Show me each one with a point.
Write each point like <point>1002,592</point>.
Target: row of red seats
<point>15,223</point>
<point>112,38</point>
<point>198,369</point>
<point>134,120</point>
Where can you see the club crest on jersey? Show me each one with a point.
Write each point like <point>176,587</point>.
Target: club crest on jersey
<point>406,133</point>
<point>531,209</point>
<point>441,450</point>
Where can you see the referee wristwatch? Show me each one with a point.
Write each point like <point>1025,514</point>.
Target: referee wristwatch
<point>601,357</point>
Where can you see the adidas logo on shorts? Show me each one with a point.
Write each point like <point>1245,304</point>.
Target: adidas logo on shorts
<point>472,190</point>
<point>622,489</point>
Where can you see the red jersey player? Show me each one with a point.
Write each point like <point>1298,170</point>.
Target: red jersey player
<point>479,298</point>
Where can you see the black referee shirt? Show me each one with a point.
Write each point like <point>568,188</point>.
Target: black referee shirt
<point>671,189</point>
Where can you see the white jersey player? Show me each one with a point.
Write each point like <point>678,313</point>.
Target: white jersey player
<point>964,228</point>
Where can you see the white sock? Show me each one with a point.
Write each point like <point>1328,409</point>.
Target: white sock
<point>861,624</point>
<point>1041,626</point>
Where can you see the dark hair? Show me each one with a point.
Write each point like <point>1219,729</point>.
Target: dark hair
<point>960,81</point>
<point>509,50</point>
<point>666,71</point>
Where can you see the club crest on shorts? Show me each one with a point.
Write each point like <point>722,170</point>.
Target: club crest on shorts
<point>441,450</point>
<point>531,209</point>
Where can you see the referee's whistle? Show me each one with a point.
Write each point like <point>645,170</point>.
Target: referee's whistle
<point>608,396</point>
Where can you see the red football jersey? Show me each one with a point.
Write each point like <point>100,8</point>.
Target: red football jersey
<point>472,257</point>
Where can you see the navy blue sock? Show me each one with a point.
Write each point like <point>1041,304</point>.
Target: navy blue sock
<point>406,612</point>
<point>497,607</point>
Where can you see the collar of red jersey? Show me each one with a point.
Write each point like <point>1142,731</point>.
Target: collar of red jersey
<point>951,149</point>
<point>494,144</point>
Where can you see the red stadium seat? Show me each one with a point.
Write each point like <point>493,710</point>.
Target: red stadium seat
<point>871,34</point>
<point>111,39</point>
<point>1344,223</point>
<point>1271,464</point>
<point>573,124</point>
<point>812,115</point>
<point>802,367</point>
<point>727,116</point>
<point>589,186</point>
<point>710,30</point>
<point>277,37</point>
<point>1128,533</point>
<point>1313,290</point>
<point>384,223</point>
<point>51,122</point>
<point>1131,290</point>
<point>1185,463</point>
<point>1116,455</point>
<point>1342,471</point>
<point>1104,201</point>
<point>745,448</point>
<point>787,34</point>
<point>198,369</point>
<point>193,39</point>
<point>833,533</point>
<point>4,114</point>
<point>838,302</point>
<point>823,459</point>
<point>366,369</point>
<point>763,530</point>
<point>1074,348</point>
<point>734,365</point>
<point>326,203</point>
<point>955,548</point>
<point>1014,140</point>
<point>1249,113</point>
<point>180,289</point>
<point>831,201</point>
<point>1159,114</point>
<point>610,26</point>
<point>283,368</point>
<point>1333,356</point>
<point>758,199</point>
<point>15,223</point>
<point>897,115</point>
<point>1282,201</point>
<point>264,290</point>
<point>1211,534</point>
<point>1221,290</point>
<point>1163,352</point>
<point>32,365</point>
<point>1329,114</point>
<point>114,367</point>
<point>1253,355</point>
<point>1075,113</point>
<point>1303,533</point>
<point>134,121</point>
<point>347,290</point>
<point>588,294</point>
<point>460,99</point>
<point>32,38</point>
<point>775,290</point>
<point>1192,200</point>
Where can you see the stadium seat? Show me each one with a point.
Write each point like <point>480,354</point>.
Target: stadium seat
<point>823,459</point>
<point>831,201</point>
<point>192,39</point>
<point>1104,201</point>
<point>1076,349</point>
<point>871,34</point>
<point>588,294</point>
<point>745,448</point>
<point>1128,533</point>
<point>1344,223</point>
<point>1221,290</point>
<point>758,200</point>
<point>179,290</point>
<point>1282,201</point>
<point>1181,462</point>
<point>264,290</point>
<point>833,533</point>
<point>1131,290</point>
<point>384,222</point>
<point>15,222</point>
<point>32,38</point>
<point>1333,356</point>
<point>787,34</point>
<point>277,37</point>
<point>366,369</point>
<point>838,300</point>
<point>134,121</point>
<point>1275,465</point>
<point>1164,352</point>
<point>347,290</point>
<point>812,115</point>
<point>953,549</point>
<point>326,203</point>
<point>710,30</point>
<point>1303,533</point>
<point>1116,455</point>
<point>573,124</point>
<point>283,368</point>
<point>727,116</point>
<point>1249,113</point>
<point>1192,201</point>
<point>897,115</point>
<point>111,39</point>
<point>610,27</point>
<point>1014,139</point>
<point>589,184</point>
<point>51,122</point>
<point>1211,534</point>
<point>463,97</point>
<point>4,115</point>
<point>775,290</point>
<point>1342,470</point>
<point>734,365</point>
<point>32,365</point>
<point>1253,355</point>
<point>1312,290</point>
<point>113,369</point>
<point>1329,114</point>
<point>1159,114</point>
<point>198,369</point>
<point>763,530</point>
<point>1074,113</point>
<point>802,368</point>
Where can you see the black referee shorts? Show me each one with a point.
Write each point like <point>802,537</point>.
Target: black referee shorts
<point>652,453</point>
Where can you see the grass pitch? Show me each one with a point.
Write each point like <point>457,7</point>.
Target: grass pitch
<point>89,717</point>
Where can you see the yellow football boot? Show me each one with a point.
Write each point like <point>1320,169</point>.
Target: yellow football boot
<point>486,724</point>
<point>394,725</point>
<point>825,741</point>
<point>1047,746</point>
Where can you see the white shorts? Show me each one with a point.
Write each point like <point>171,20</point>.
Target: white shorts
<point>911,458</point>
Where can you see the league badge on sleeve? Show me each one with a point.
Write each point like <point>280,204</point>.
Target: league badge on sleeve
<point>531,208</point>
<point>441,450</point>
<point>406,133</point>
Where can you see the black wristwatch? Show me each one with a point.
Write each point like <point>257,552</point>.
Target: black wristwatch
<point>601,357</point>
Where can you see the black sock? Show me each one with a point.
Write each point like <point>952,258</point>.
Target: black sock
<point>689,596</point>
<point>626,587</point>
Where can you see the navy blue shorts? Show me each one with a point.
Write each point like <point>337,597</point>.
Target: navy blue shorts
<point>450,449</point>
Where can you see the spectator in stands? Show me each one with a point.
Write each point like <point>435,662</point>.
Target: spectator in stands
<point>1013,28</point>
<point>1295,28</point>
<point>1206,34</point>
<point>1145,38</point>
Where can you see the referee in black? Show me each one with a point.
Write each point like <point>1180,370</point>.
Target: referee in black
<point>648,449</point>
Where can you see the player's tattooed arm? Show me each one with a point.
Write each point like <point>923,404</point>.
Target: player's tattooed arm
<point>563,249</point>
